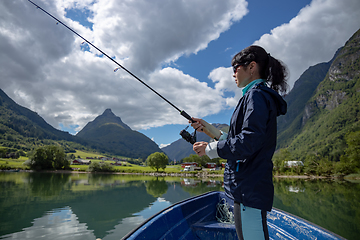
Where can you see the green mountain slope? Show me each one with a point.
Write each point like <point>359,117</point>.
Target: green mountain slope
<point>108,117</point>
<point>23,129</point>
<point>19,120</point>
<point>290,124</point>
<point>333,110</point>
<point>112,135</point>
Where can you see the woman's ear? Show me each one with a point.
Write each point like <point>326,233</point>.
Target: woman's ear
<point>252,67</point>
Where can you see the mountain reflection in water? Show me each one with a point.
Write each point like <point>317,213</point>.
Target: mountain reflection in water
<point>90,206</point>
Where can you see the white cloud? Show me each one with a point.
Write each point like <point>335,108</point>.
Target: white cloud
<point>153,32</point>
<point>224,82</point>
<point>314,35</point>
<point>43,68</point>
<point>164,145</point>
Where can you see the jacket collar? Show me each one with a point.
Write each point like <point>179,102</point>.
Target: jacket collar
<point>250,85</point>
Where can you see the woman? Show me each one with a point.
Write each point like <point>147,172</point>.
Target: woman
<point>251,141</point>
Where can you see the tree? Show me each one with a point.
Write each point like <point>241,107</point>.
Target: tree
<point>280,158</point>
<point>100,167</point>
<point>157,160</point>
<point>201,161</point>
<point>350,162</point>
<point>353,150</point>
<point>49,158</point>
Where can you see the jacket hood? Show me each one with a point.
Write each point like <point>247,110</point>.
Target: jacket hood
<point>280,102</point>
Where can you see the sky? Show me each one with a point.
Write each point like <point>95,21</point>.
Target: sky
<point>181,49</point>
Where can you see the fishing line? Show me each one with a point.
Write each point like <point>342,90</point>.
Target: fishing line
<point>182,112</point>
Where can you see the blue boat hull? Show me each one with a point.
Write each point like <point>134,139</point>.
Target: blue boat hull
<point>195,218</point>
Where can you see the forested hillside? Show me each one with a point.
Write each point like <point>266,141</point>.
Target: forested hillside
<point>22,129</point>
<point>304,88</point>
<point>328,128</point>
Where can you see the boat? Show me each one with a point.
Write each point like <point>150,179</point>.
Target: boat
<point>198,218</point>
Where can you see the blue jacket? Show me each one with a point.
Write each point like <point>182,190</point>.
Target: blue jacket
<point>249,147</point>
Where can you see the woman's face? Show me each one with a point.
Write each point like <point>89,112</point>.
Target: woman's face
<point>242,75</point>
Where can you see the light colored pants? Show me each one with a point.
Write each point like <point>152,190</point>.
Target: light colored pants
<point>250,223</point>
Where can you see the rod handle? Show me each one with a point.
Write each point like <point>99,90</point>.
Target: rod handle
<point>187,116</point>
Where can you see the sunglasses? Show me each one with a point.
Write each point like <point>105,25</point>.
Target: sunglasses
<point>235,67</point>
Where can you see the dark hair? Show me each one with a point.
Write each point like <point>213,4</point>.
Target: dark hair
<point>270,68</point>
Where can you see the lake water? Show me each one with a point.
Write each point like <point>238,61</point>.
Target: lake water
<point>91,206</point>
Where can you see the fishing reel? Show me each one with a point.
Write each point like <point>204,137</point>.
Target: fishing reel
<point>191,138</point>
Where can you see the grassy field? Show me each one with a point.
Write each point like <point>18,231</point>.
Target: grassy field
<point>130,168</point>
<point>84,155</point>
<point>13,163</point>
<point>127,168</point>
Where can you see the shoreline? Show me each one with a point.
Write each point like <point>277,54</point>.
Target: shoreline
<point>202,174</point>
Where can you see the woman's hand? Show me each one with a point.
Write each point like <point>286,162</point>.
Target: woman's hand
<point>203,126</point>
<point>199,148</point>
<point>197,125</point>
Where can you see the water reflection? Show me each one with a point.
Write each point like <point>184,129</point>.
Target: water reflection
<point>47,184</point>
<point>90,206</point>
<point>56,224</point>
<point>333,205</point>
<point>108,206</point>
<point>127,224</point>
<point>156,187</point>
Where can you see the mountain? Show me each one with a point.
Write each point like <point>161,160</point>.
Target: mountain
<point>332,111</point>
<point>304,88</point>
<point>114,136</point>
<point>23,129</point>
<point>108,117</point>
<point>19,120</point>
<point>181,148</point>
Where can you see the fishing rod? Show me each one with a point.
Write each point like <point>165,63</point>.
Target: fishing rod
<point>190,138</point>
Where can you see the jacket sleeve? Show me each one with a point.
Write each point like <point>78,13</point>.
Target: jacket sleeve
<point>211,149</point>
<point>251,135</point>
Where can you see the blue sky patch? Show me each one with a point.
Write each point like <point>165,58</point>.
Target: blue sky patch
<point>81,16</point>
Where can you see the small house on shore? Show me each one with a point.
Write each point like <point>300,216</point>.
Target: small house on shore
<point>80,161</point>
<point>194,164</point>
<point>210,165</point>
<point>291,164</point>
<point>116,163</point>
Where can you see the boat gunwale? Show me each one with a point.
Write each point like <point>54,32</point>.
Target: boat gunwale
<point>164,210</point>
<point>315,226</point>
